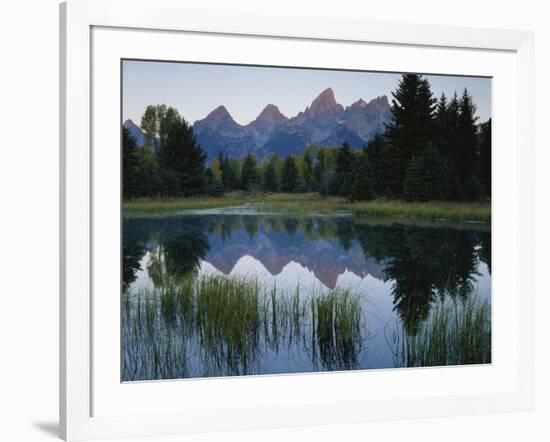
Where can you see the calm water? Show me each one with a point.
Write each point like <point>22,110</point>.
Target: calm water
<point>396,272</point>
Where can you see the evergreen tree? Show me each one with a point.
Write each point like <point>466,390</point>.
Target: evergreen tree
<point>306,167</point>
<point>131,166</point>
<point>389,171</point>
<point>435,174</point>
<point>229,178</point>
<point>412,126</point>
<point>271,183</point>
<point>441,117</point>
<point>466,138</point>
<point>214,185</point>
<point>375,151</point>
<point>485,157</point>
<point>343,174</point>
<point>249,173</point>
<point>290,180</point>
<point>426,177</point>
<point>182,159</point>
<point>151,182</point>
<point>413,187</point>
<point>450,148</point>
<point>363,185</point>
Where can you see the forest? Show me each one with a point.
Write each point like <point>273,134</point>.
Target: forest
<point>434,149</point>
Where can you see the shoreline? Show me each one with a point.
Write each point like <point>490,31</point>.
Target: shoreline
<point>443,211</point>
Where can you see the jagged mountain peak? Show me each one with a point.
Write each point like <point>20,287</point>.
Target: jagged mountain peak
<point>324,105</point>
<point>324,122</point>
<point>271,113</point>
<point>359,104</point>
<point>379,103</point>
<point>219,114</point>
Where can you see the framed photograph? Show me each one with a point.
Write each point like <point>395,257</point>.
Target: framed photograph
<point>284,221</point>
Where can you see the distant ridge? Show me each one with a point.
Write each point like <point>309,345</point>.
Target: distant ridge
<point>324,122</point>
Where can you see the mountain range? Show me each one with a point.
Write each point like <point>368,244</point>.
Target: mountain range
<point>324,123</point>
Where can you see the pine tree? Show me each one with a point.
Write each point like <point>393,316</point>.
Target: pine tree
<point>271,183</point>
<point>230,180</point>
<point>343,174</point>
<point>249,173</point>
<point>306,166</point>
<point>435,174</point>
<point>182,159</point>
<point>441,118</point>
<point>413,187</point>
<point>412,126</point>
<point>426,177</point>
<point>291,175</point>
<point>466,138</point>
<point>389,171</point>
<point>374,150</point>
<point>214,185</point>
<point>485,157</point>
<point>363,185</point>
<point>131,167</point>
<point>450,149</point>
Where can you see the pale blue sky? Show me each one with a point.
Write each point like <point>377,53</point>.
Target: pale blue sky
<point>196,89</point>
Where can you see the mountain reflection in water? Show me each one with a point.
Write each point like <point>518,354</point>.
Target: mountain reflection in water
<point>398,272</point>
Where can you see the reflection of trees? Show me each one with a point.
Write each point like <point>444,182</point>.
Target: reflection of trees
<point>252,225</point>
<point>134,239</point>
<point>344,232</point>
<point>485,250</point>
<point>181,244</point>
<point>424,263</point>
<point>291,225</point>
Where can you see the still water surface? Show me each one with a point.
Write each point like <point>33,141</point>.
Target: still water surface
<point>396,272</point>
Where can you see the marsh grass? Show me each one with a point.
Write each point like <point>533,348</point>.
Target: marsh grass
<point>455,333</point>
<point>222,326</point>
<point>225,325</point>
<point>315,203</point>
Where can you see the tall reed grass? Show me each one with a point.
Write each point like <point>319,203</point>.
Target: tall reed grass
<point>455,333</point>
<point>217,326</point>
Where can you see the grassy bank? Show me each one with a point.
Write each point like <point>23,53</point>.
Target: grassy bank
<point>312,202</point>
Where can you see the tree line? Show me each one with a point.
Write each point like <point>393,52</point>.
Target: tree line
<point>433,149</point>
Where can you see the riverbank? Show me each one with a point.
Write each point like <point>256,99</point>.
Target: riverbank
<point>313,202</point>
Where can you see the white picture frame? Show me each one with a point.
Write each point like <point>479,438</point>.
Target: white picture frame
<point>79,380</point>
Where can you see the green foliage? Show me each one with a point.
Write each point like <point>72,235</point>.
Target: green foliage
<point>249,173</point>
<point>291,180</point>
<point>271,182</point>
<point>230,178</point>
<point>456,333</point>
<point>131,166</point>
<point>214,185</point>
<point>342,180</point>
<point>412,125</point>
<point>426,177</point>
<point>182,157</point>
<point>485,157</point>
<point>363,185</point>
<point>431,150</point>
<point>414,189</point>
<point>466,137</point>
